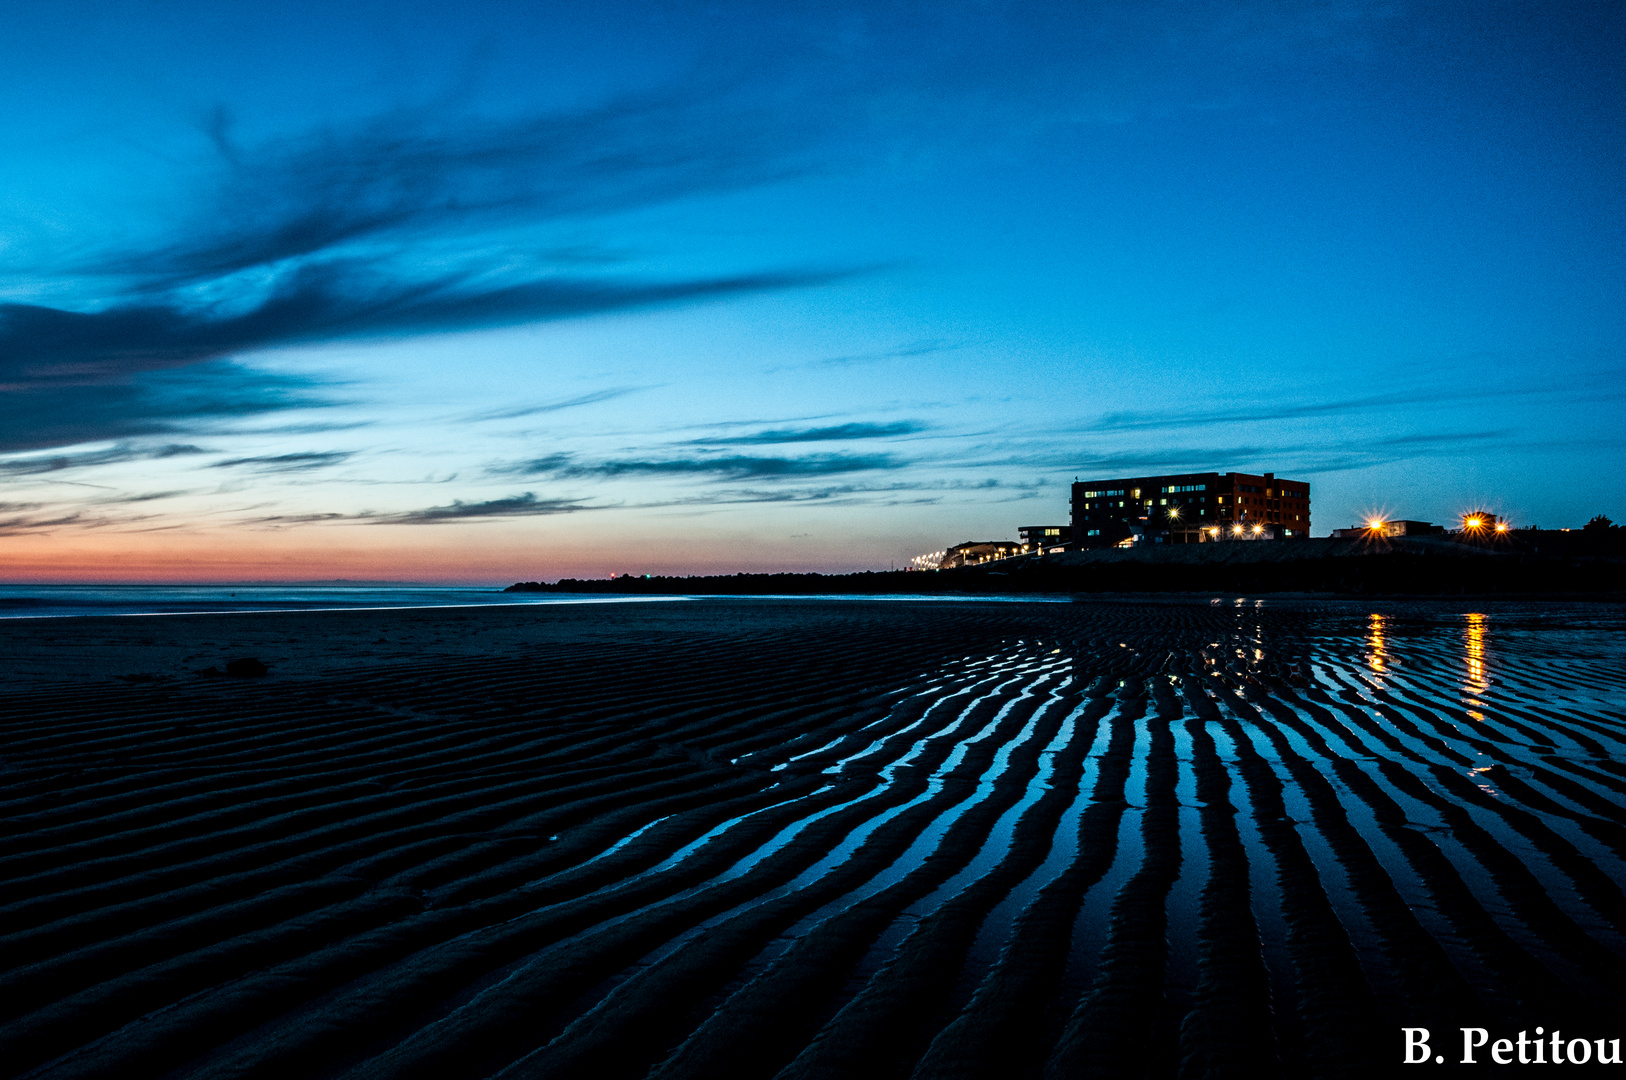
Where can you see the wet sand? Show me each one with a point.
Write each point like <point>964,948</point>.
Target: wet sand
<point>809,838</point>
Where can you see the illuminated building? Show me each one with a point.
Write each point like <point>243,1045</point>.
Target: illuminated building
<point>1043,538</point>
<point>1189,508</point>
<point>973,552</point>
<point>1481,523</point>
<point>1383,528</point>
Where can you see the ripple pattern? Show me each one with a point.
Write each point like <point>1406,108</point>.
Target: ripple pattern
<point>944,840</point>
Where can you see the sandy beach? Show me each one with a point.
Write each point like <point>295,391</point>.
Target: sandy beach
<point>810,838</point>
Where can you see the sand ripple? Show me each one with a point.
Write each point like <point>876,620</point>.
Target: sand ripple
<point>815,839</point>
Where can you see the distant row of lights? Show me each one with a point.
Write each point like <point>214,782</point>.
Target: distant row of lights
<point>1474,523</point>
<point>1236,530</point>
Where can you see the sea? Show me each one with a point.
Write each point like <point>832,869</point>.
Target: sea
<point>60,601</point>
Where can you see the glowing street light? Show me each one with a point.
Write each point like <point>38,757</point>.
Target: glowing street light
<point>1236,530</point>
<point>1501,526</point>
<point>1473,523</point>
<point>1257,529</point>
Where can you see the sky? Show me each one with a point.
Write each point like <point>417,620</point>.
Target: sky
<point>485,292</point>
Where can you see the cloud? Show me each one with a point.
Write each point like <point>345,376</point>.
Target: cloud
<point>923,348</point>
<point>910,493</point>
<point>835,433</point>
<point>421,173</point>
<point>46,347</point>
<point>23,523</point>
<point>19,525</point>
<point>1305,458</point>
<point>277,463</point>
<point>139,368</point>
<point>733,467</point>
<point>525,505</point>
<point>555,406</point>
<point>415,221</point>
<point>1592,384</point>
<point>36,466</point>
<point>125,500</point>
<point>157,403</point>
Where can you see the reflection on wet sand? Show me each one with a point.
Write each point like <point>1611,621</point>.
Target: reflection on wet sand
<point>1475,643</point>
<point>1376,658</point>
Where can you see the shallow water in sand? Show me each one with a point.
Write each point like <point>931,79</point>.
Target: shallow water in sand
<point>794,831</point>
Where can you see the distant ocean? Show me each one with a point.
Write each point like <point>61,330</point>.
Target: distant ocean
<point>56,601</point>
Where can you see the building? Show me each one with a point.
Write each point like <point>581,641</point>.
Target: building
<point>1377,528</point>
<point>973,552</point>
<point>1189,508</point>
<point>1044,538</point>
<point>1481,523</point>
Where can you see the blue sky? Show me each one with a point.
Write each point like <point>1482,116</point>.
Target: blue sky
<point>491,291</point>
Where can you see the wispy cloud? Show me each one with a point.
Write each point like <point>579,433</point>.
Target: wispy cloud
<point>554,406</point>
<point>902,352</point>
<point>730,467</point>
<point>411,222</point>
<point>23,524</point>
<point>902,493</point>
<point>46,347</point>
<point>418,174</point>
<point>524,505</point>
<point>278,463</point>
<point>833,433</point>
<point>155,404</point>
<point>38,465</point>
<point>1306,458</point>
<point>1590,383</point>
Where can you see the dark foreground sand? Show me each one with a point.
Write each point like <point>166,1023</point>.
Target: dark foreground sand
<point>810,838</point>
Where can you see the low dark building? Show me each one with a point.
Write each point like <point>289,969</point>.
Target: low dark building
<point>1043,538</point>
<point>1189,508</point>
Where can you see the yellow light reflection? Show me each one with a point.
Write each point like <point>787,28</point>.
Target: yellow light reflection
<point>1477,683</point>
<point>1377,658</point>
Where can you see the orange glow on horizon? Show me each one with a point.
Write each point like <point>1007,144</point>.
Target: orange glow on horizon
<point>472,553</point>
